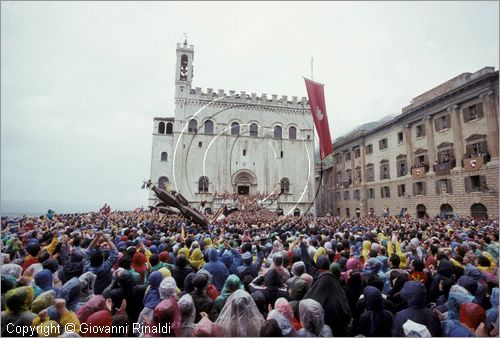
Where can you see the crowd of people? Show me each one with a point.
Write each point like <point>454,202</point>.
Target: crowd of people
<point>114,273</point>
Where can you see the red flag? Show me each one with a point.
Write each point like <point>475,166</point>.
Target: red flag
<point>316,94</point>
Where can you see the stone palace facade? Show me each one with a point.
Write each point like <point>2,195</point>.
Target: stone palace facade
<point>234,142</point>
<point>440,156</point>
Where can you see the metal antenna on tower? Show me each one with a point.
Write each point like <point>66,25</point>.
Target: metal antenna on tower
<point>185,39</point>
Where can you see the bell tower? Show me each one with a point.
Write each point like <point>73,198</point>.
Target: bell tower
<point>184,69</point>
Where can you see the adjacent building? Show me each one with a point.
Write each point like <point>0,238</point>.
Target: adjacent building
<point>221,142</point>
<point>440,156</point>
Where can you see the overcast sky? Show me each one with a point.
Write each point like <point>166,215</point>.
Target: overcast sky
<point>81,82</point>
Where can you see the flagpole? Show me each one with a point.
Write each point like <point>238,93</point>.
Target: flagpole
<point>314,157</point>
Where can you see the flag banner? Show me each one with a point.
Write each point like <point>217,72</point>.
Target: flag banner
<point>316,94</point>
<point>473,164</point>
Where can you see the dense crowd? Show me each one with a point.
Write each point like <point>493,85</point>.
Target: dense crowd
<point>133,273</point>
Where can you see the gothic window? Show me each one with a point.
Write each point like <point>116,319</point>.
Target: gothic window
<point>235,129</point>
<point>209,127</point>
<point>184,68</point>
<point>292,133</point>
<point>278,132</point>
<point>192,126</point>
<point>164,156</point>
<point>162,182</point>
<point>285,185</point>
<point>254,130</point>
<point>161,128</point>
<point>203,184</point>
<point>169,128</point>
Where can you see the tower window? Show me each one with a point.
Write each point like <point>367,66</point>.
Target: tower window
<point>184,68</point>
<point>161,128</point>
<point>169,128</point>
<point>164,156</point>
<point>292,133</point>
<point>200,144</point>
<point>244,152</point>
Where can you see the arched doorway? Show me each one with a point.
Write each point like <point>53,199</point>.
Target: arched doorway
<point>244,182</point>
<point>421,211</point>
<point>479,211</point>
<point>296,212</point>
<point>445,211</point>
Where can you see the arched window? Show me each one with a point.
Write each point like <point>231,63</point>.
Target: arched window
<point>479,211</point>
<point>278,132</point>
<point>162,182</point>
<point>209,127</point>
<point>235,128</point>
<point>161,128</point>
<point>254,130</point>
<point>183,70</point>
<point>164,156</point>
<point>169,128</point>
<point>292,133</point>
<point>203,184</point>
<point>285,185</point>
<point>192,126</point>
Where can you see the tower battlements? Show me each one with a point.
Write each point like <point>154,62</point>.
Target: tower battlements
<point>250,98</point>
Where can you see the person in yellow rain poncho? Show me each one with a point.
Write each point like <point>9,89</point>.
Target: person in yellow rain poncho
<point>402,256</point>
<point>367,245</point>
<point>184,251</point>
<point>17,304</point>
<point>320,252</point>
<point>196,259</point>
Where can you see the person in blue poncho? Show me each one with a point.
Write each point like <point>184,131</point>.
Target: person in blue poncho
<point>217,269</point>
<point>415,295</point>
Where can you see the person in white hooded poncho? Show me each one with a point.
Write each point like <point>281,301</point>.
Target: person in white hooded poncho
<point>240,316</point>
<point>188,315</point>
<point>312,320</point>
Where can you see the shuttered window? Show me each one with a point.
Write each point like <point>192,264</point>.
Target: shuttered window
<point>473,112</point>
<point>475,183</point>
<point>419,189</point>
<point>444,186</point>
<point>443,122</point>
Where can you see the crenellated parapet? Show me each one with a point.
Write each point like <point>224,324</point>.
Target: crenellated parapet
<point>283,101</point>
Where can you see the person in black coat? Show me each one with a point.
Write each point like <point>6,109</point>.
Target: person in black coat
<point>123,288</point>
<point>202,302</point>
<point>181,270</point>
<point>328,292</point>
<point>375,321</point>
